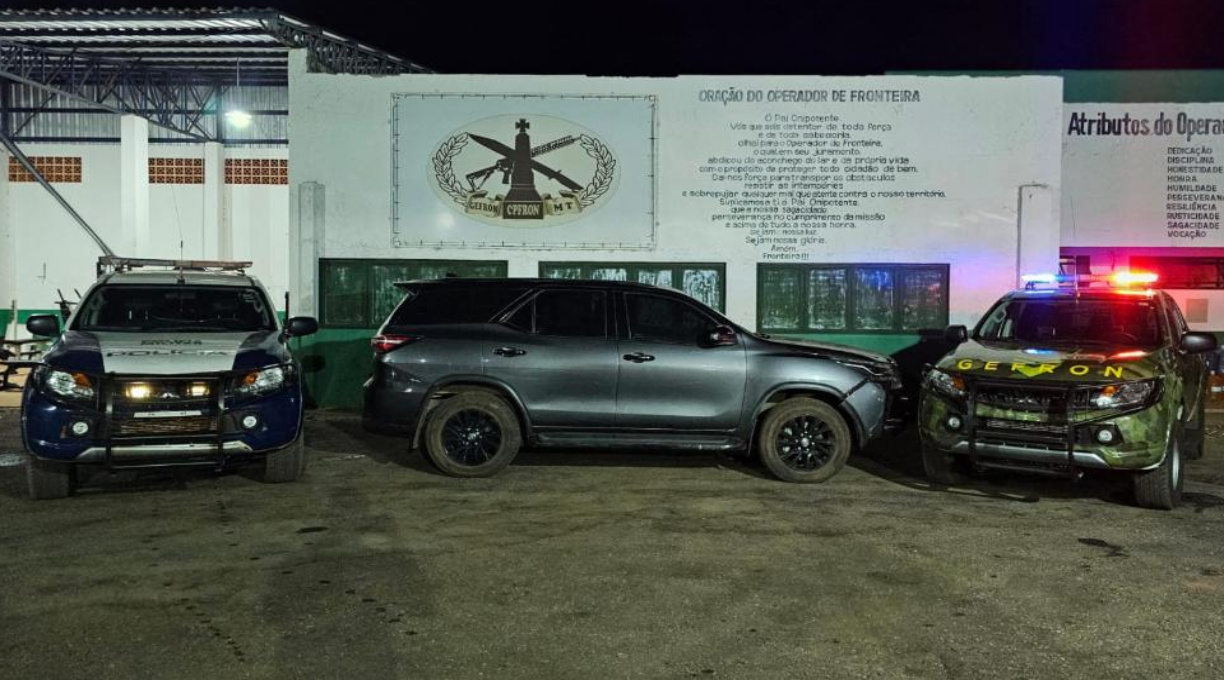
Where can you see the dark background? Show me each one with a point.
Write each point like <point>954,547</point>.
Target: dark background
<point>767,36</point>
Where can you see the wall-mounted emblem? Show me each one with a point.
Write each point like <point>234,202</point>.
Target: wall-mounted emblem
<point>523,171</point>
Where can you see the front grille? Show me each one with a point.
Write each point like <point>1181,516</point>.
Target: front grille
<point>1025,426</point>
<point>1023,432</point>
<point>1023,399</point>
<point>151,427</point>
<point>164,407</point>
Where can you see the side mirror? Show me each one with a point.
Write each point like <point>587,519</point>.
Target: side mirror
<point>1191,343</point>
<point>956,334</point>
<point>301,325</point>
<point>720,336</point>
<point>44,325</point>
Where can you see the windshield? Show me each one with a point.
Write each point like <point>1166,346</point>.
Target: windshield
<point>1068,321</point>
<point>175,308</point>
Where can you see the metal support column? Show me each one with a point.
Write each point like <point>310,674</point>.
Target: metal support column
<point>38,177</point>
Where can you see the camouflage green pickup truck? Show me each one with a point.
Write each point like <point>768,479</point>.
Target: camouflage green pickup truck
<point>1055,381</point>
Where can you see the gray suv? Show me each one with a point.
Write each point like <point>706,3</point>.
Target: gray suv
<point>471,369</point>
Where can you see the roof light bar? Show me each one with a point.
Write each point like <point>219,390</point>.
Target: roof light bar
<point>1118,279</point>
<point>108,263</point>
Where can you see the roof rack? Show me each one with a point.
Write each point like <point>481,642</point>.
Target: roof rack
<point>110,264</point>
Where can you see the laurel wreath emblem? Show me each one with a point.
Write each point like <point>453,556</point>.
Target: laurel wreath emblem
<point>601,181</point>
<point>443,162</point>
<point>605,167</point>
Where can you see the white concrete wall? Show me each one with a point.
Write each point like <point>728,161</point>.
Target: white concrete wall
<point>45,249</point>
<point>978,139</point>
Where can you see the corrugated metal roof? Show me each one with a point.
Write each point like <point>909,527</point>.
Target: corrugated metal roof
<point>212,60</point>
<point>216,42</point>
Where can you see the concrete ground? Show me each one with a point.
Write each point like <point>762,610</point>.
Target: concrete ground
<point>592,565</point>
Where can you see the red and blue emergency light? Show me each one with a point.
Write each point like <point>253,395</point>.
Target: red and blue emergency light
<point>1119,279</point>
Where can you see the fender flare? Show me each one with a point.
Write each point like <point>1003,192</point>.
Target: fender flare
<point>504,390</point>
<point>834,396</point>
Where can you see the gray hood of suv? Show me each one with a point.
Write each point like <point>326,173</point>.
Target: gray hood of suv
<point>831,350</point>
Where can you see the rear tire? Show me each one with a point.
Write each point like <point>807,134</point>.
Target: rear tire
<point>1161,488</point>
<point>940,467</point>
<point>804,440</point>
<point>472,434</point>
<point>286,465</point>
<point>48,479</point>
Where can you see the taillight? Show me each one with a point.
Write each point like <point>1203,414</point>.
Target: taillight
<point>385,342</point>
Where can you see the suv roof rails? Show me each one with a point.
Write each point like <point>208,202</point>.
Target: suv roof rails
<point>108,264</point>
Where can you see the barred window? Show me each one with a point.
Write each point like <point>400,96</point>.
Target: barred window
<point>361,293</point>
<point>851,298</point>
<point>59,169</point>
<point>256,171</point>
<point>176,171</point>
<point>704,282</point>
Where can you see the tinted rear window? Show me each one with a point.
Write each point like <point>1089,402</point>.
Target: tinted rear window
<point>429,305</point>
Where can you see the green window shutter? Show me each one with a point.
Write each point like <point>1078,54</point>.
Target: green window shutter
<point>436,270</point>
<point>486,270</point>
<point>705,285</point>
<point>343,293</point>
<point>609,274</point>
<point>780,303</point>
<point>560,271</point>
<point>654,276</point>
<point>925,296</point>
<point>873,299</point>
<point>384,296</point>
<point>826,307</point>
<point>701,281</point>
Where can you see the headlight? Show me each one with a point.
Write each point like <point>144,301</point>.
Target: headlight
<point>946,383</point>
<point>261,382</point>
<point>71,385</point>
<point>884,374</point>
<point>1121,395</point>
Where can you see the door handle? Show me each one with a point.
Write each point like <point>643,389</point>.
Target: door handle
<point>639,357</point>
<point>509,351</point>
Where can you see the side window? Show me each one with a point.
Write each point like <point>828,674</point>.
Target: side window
<point>521,319</point>
<point>660,319</point>
<point>571,313</point>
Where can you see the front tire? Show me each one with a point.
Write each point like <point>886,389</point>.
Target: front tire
<point>1161,488</point>
<point>48,479</point>
<point>286,465</point>
<point>472,434</point>
<point>804,440</point>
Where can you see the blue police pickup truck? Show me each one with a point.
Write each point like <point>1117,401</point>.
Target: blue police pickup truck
<point>165,363</point>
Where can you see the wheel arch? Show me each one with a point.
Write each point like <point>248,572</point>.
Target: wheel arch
<point>825,393</point>
<point>454,385</point>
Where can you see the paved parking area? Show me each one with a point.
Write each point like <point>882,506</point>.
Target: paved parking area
<point>591,565</point>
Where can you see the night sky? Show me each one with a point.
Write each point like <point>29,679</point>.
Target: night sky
<point>770,37</point>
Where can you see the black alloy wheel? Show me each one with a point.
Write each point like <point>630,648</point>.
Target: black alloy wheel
<point>471,437</point>
<point>806,443</point>
<point>804,440</point>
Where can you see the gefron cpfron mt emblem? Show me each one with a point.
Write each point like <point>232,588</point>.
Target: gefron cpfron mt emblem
<point>523,171</point>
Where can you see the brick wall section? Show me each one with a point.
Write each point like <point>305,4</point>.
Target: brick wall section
<point>176,171</point>
<point>256,171</point>
<point>63,169</point>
